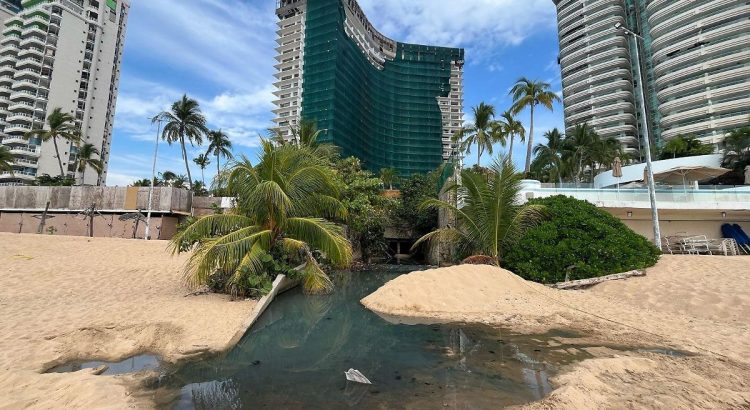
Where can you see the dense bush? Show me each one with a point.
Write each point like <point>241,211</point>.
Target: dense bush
<point>580,239</point>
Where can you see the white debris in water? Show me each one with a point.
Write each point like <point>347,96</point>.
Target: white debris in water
<point>356,376</point>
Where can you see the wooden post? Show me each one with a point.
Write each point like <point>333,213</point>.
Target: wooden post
<point>43,221</point>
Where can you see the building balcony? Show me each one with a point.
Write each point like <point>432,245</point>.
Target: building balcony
<point>702,54</point>
<point>21,162</point>
<point>31,52</point>
<point>25,151</point>
<point>25,85</point>
<point>33,31</point>
<point>32,41</point>
<point>13,39</point>
<point>14,140</point>
<point>29,63</point>
<point>20,175</point>
<point>21,106</point>
<point>27,96</point>
<point>20,118</point>
<point>17,128</point>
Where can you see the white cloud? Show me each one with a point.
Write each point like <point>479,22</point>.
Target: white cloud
<point>482,26</point>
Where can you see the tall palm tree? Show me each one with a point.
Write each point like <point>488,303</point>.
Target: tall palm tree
<point>549,155</point>
<point>85,159</point>
<point>6,159</point>
<point>510,127</point>
<point>220,146</point>
<point>528,94</point>
<point>202,161</point>
<point>388,175</point>
<point>577,149</point>
<point>281,209</point>
<point>184,121</point>
<point>483,132</point>
<point>60,126</point>
<point>490,220</point>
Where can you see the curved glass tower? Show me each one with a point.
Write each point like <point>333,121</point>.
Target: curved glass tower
<point>391,104</point>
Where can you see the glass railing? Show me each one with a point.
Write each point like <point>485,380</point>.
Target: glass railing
<point>664,194</point>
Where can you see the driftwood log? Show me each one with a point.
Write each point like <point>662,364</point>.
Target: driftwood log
<point>585,283</point>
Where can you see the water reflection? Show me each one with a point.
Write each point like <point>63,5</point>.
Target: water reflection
<point>296,355</point>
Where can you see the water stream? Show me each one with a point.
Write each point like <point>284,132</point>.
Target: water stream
<point>295,356</point>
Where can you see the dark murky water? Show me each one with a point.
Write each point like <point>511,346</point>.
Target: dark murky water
<point>297,353</point>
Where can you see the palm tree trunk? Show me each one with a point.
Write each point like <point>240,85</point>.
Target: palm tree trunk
<point>218,167</point>
<point>187,166</point>
<point>203,177</point>
<point>510,154</point>
<point>530,142</point>
<point>83,176</point>
<point>59,160</point>
<point>479,153</point>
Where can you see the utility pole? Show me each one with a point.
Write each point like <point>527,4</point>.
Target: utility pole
<point>147,235</point>
<point>646,139</point>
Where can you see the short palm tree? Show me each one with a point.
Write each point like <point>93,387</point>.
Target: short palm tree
<point>184,121</point>
<point>219,145</point>
<point>6,159</point>
<point>167,177</point>
<point>483,132</point>
<point>388,176</point>
<point>549,155</point>
<point>85,159</point>
<point>490,219</point>
<point>282,206</point>
<point>510,127</point>
<point>202,161</point>
<point>60,126</point>
<point>528,94</point>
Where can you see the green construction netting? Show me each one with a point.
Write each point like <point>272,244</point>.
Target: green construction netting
<point>388,118</point>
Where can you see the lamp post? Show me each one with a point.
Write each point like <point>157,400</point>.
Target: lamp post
<point>649,166</point>
<point>147,235</point>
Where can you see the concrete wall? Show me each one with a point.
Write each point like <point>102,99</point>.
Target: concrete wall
<point>21,198</point>
<point>106,225</point>
<point>683,223</point>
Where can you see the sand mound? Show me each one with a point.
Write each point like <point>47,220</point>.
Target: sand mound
<point>466,293</point>
<point>696,304</point>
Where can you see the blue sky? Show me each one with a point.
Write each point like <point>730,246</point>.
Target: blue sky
<point>221,52</point>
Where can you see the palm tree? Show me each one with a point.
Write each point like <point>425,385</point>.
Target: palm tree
<point>6,159</point>
<point>202,161</point>
<point>510,127</point>
<point>490,220</point>
<point>179,181</point>
<point>483,132</point>
<point>528,94</point>
<point>167,178</point>
<point>737,150</point>
<point>85,158</point>
<point>577,149</point>
<point>184,121</point>
<point>281,208</point>
<point>388,175</point>
<point>61,125</point>
<point>145,182</point>
<point>219,145</point>
<point>549,155</point>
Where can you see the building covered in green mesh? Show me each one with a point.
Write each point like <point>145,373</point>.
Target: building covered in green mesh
<point>391,104</point>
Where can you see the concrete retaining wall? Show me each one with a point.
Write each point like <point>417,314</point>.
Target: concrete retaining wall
<point>106,199</point>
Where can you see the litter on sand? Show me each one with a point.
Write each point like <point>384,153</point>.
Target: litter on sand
<point>356,376</point>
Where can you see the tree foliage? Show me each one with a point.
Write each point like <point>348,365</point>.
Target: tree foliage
<point>579,239</point>
<point>489,221</point>
<point>284,208</point>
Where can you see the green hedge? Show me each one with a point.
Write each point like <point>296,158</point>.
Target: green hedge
<point>578,235</point>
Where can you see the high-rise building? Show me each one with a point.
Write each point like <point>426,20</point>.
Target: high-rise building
<point>59,54</point>
<point>391,104</point>
<point>695,57</point>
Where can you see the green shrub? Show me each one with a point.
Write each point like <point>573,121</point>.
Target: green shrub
<point>580,239</point>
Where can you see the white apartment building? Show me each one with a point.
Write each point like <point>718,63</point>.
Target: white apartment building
<point>66,54</point>
<point>695,57</point>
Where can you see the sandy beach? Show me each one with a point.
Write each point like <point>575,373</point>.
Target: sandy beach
<point>73,298</point>
<point>694,304</point>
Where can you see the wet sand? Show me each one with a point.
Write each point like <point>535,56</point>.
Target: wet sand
<point>72,298</point>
